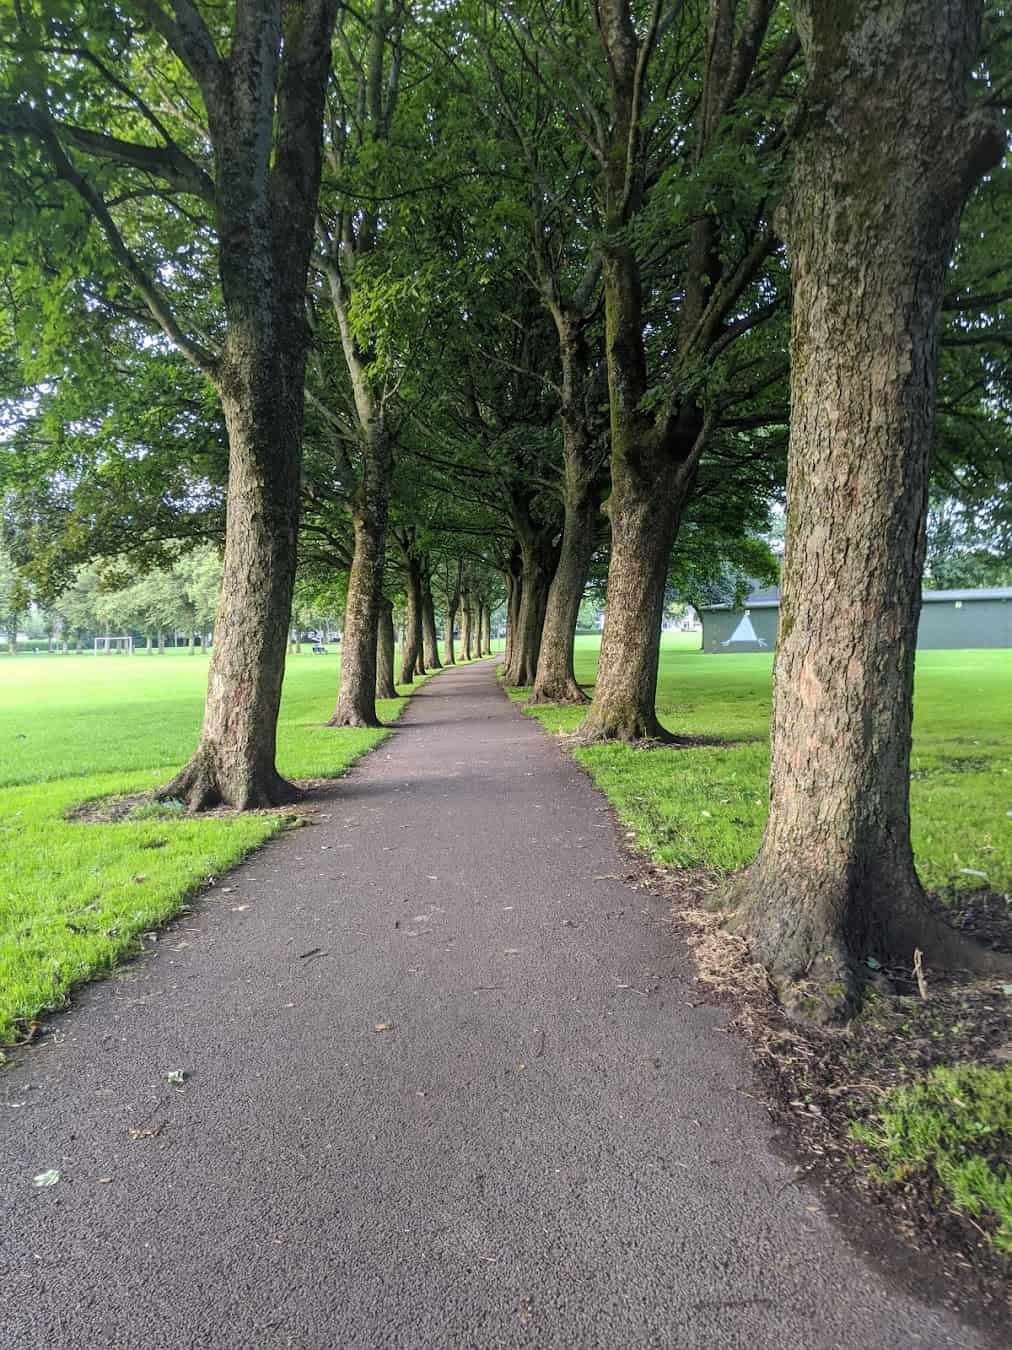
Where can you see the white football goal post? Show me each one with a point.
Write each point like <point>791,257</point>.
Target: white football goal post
<point>108,644</point>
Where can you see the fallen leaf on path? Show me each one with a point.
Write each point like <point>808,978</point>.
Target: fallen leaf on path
<point>384,1026</point>
<point>48,1178</point>
<point>176,1076</point>
<point>145,1132</point>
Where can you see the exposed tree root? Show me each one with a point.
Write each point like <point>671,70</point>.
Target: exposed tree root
<point>820,951</point>
<point>203,784</point>
<point>354,718</point>
<point>565,690</point>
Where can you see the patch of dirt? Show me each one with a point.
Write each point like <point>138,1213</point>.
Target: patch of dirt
<point>817,1081</point>
<point>138,807</point>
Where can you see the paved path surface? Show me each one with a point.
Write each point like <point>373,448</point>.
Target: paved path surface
<point>552,1147</point>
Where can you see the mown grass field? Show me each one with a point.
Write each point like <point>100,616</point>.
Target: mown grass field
<point>707,806</point>
<point>74,897</point>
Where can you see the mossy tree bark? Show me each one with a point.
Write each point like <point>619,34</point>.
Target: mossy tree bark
<point>385,687</point>
<point>265,110</point>
<point>870,221</point>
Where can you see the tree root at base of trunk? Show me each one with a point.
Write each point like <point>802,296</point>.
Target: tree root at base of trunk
<point>563,691</point>
<point>641,732</point>
<point>819,969</point>
<point>357,720</point>
<point>202,785</point>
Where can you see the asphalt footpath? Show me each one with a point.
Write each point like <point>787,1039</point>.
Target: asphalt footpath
<point>423,1074</point>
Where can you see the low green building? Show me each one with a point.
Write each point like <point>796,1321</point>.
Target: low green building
<point>949,620</point>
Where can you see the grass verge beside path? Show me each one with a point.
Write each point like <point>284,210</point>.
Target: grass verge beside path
<point>707,806</point>
<point>914,1101</point>
<point>73,896</point>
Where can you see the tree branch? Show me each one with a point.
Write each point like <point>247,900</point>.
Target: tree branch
<point>165,162</point>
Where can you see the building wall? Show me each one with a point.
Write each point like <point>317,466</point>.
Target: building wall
<point>952,624</point>
<point>740,630</point>
<point>945,625</point>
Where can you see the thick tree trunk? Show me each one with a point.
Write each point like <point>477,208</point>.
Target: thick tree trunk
<point>267,151</point>
<point>235,760</point>
<point>385,687</point>
<point>430,639</point>
<point>161,644</point>
<point>652,472</point>
<point>149,645</point>
<point>486,632</point>
<point>412,660</point>
<point>871,222</point>
<point>356,699</point>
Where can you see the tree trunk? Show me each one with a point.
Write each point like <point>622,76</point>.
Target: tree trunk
<point>412,661</point>
<point>449,658</point>
<point>871,222</point>
<point>465,626</point>
<point>149,645</point>
<point>486,632</point>
<point>514,591</point>
<point>235,760</point>
<point>555,681</point>
<point>161,644</point>
<point>479,629</point>
<point>538,563</point>
<point>356,700</point>
<point>385,687</point>
<point>644,520</point>
<point>430,640</point>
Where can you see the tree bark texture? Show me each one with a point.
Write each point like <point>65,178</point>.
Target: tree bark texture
<point>555,680</point>
<point>430,638</point>
<point>465,626</point>
<point>538,555</point>
<point>265,116</point>
<point>385,687</point>
<point>870,221</point>
<point>411,654</point>
<point>356,699</point>
<point>486,632</point>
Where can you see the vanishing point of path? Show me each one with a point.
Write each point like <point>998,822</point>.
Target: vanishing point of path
<point>551,1146</point>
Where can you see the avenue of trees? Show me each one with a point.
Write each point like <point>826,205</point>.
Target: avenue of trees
<point>460,309</point>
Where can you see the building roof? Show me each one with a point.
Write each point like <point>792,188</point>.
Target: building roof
<point>770,598</point>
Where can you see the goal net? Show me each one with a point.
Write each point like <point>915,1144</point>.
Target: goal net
<point>105,645</point>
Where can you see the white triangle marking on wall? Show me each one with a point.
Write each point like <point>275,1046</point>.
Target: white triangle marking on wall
<point>745,633</point>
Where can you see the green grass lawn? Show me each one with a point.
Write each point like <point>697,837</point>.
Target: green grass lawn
<point>73,897</point>
<point>707,806</point>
